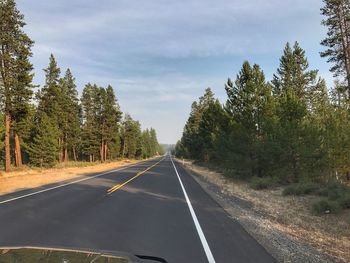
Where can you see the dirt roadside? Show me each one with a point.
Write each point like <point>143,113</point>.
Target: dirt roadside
<point>282,224</point>
<point>30,178</point>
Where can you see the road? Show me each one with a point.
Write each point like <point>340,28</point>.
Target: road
<point>151,208</point>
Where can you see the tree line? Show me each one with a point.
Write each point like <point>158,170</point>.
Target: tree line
<point>292,127</point>
<point>54,124</point>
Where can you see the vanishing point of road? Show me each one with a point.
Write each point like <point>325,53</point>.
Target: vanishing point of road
<point>151,208</point>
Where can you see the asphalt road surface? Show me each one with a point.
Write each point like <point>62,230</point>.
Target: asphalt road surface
<point>152,208</point>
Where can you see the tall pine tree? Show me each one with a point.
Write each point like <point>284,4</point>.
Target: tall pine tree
<point>70,116</point>
<point>337,20</point>
<point>15,73</point>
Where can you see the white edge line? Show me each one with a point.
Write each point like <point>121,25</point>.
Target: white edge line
<point>205,245</point>
<point>70,183</point>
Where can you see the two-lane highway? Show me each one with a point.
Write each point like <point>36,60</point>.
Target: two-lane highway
<point>151,208</point>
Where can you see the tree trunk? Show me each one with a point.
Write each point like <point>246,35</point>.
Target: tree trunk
<point>123,150</point>
<point>60,150</point>
<point>105,151</point>
<point>7,141</point>
<point>18,153</point>
<point>101,151</point>
<point>66,154</point>
<point>74,154</point>
<point>66,157</point>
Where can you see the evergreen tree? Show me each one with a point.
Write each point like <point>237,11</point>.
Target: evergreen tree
<point>44,147</point>
<point>15,73</point>
<point>337,20</point>
<point>131,138</point>
<point>50,101</point>
<point>146,144</point>
<point>247,103</point>
<point>337,135</point>
<point>191,139</point>
<point>50,96</point>
<point>111,116</point>
<point>90,129</point>
<point>293,87</point>
<point>70,116</point>
<point>211,127</point>
<point>154,142</point>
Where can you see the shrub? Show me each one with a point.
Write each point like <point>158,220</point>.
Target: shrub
<point>333,191</point>
<point>344,201</point>
<point>325,206</point>
<point>260,183</point>
<point>301,189</point>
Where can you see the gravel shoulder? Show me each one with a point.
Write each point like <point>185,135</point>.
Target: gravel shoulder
<point>282,224</point>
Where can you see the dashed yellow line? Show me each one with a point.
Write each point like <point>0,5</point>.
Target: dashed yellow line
<point>118,186</point>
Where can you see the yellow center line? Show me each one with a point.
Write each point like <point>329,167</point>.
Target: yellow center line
<point>118,186</point>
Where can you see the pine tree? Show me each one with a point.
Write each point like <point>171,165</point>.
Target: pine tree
<point>110,121</point>
<point>44,147</point>
<point>293,87</point>
<point>293,73</point>
<point>211,127</point>
<point>70,116</point>
<point>191,139</point>
<point>337,136</point>
<point>154,142</point>
<point>146,144</point>
<point>50,96</point>
<point>247,105</point>
<point>90,128</point>
<point>15,72</point>
<point>131,138</point>
<point>337,20</point>
<point>50,99</point>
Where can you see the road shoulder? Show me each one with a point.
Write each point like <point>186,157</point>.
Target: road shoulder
<point>282,246</point>
<point>28,179</point>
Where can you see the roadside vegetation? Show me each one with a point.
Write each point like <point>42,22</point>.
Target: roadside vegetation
<point>291,131</point>
<point>52,124</point>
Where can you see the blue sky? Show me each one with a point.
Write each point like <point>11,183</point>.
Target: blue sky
<point>160,55</point>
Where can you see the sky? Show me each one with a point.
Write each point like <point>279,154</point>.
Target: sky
<point>160,55</point>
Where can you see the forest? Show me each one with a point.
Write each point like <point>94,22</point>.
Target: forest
<point>291,130</point>
<point>41,126</point>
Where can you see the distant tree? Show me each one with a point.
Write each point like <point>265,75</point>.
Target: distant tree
<point>15,74</point>
<point>154,142</point>
<point>146,144</point>
<point>337,20</point>
<point>211,127</point>
<point>131,137</point>
<point>191,139</point>
<point>101,123</point>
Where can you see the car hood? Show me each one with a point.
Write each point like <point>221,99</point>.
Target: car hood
<point>30,254</point>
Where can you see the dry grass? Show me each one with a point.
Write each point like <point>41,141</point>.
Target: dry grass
<point>26,178</point>
<point>291,215</point>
